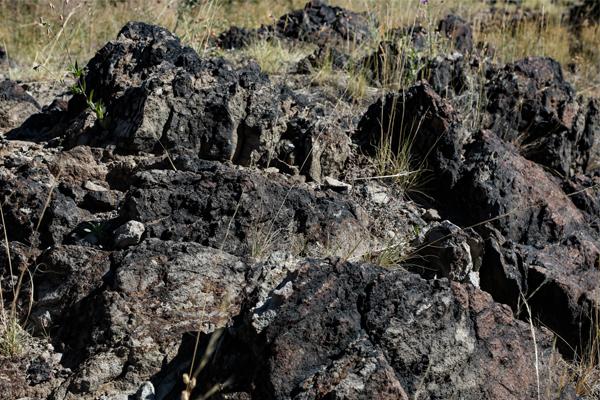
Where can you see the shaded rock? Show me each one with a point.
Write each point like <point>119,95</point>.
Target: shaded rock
<point>316,23</point>
<point>16,105</point>
<point>450,252</point>
<point>531,105</point>
<point>240,212</point>
<point>157,293</point>
<point>237,38</point>
<point>532,223</point>
<point>321,23</point>
<point>71,273</point>
<point>447,74</point>
<point>162,98</point>
<point>458,31</point>
<point>324,56</point>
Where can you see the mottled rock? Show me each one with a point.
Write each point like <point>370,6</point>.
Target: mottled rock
<point>450,252</point>
<point>241,212</point>
<point>128,234</point>
<point>353,331</point>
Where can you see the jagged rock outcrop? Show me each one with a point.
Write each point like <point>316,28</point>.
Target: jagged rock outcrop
<point>161,97</point>
<point>220,217</point>
<point>531,105</point>
<point>317,23</point>
<point>539,243</point>
<point>353,331</point>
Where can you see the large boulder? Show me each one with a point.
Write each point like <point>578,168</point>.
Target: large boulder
<point>162,98</point>
<point>241,212</point>
<point>353,331</point>
<point>539,243</point>
<point>317,23</point>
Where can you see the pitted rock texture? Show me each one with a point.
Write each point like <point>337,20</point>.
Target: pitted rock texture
<point>531,105</point>
<point>240,212</point>
<point>354,331</point>
<point>162,98</point>
<point>224,216</point>
<point>520,208</point>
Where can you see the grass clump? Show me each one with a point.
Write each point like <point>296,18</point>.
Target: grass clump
<point>11,337</point>
<point>273,56</point>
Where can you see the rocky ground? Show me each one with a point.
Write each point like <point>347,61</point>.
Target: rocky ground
<point>222,223</point>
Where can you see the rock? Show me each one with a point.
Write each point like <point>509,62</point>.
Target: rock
<point>511,200</point>
<point>316,23</point>
<point>162,98</point>
<point>16,105</point>
<point>353,331</point>
<point>324,56</point>
<point>377,194</point>
<point>320,23</point>
<point>128,234</point>
<point>447,74</point>
<point>458,31</point>
<point>236,38</point>
<point>73,273</point>
<point>531,105</point>
<point>450,252</point>
<point>431,214</point>
<point>158,294</point>
<point>146,392</point>
<point>240,212</point>
<point>336,185</point>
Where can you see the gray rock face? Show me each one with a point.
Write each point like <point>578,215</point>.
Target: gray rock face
<point>353,331</point>
<point>128,234</point>
<point>240,212</point>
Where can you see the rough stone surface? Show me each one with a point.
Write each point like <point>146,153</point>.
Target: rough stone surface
<point>16,105</point>
<point>129,234</point>
<point>224,216</point>
<point>531,105</point>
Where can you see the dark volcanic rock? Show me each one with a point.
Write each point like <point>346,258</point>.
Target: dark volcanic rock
<point>355,332</point>
<point>130,329</point>
<point>320,23</point>
<point>243,213</point>
<point>316,23</point>
<point>481,181</point>
<point>450,252</point>
<point>16,105</point>
<point>531,105</point>
<point>458,31</point>
<point>162,97</point>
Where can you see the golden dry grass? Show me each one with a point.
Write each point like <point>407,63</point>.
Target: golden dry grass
<point>45,36</point>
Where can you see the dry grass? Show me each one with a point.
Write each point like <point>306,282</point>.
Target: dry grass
<point>44,37</point>
<point>275,57</point>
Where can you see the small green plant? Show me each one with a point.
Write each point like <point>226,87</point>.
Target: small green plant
<point>80,89</point>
